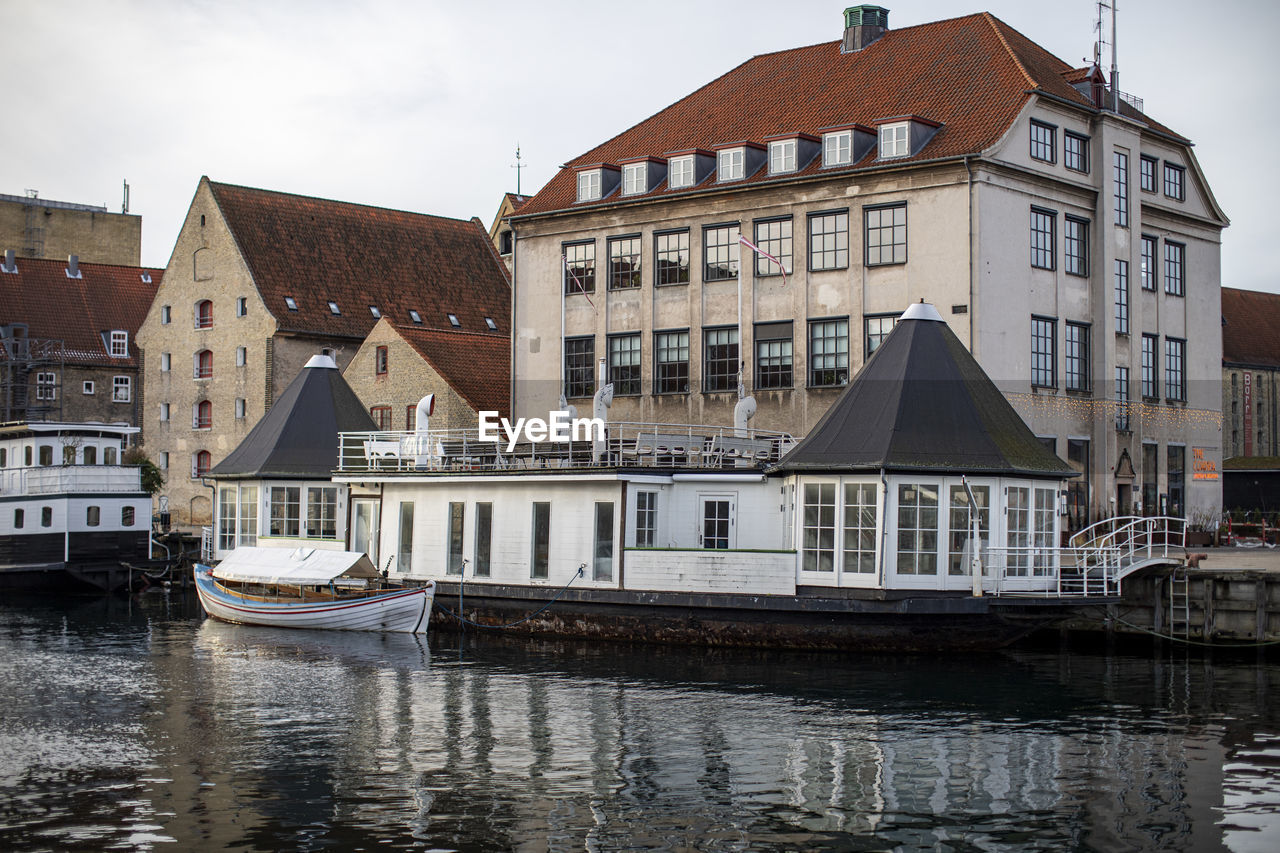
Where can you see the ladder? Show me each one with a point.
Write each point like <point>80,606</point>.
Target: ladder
<point>1179,604</point>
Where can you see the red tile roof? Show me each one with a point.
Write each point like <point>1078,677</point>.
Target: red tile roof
<point>316,250</point>
<point>1251,327</point>
<point>77,311</point>
<point>973,75</point>
<point>477,366</point>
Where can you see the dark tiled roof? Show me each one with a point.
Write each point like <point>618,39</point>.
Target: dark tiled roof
<point>477,366</point>
<point>922,402</point>
<point>317,250</point>
<point>106,297</point>
<point>971,74</point>
<point>1251,327</point>
<point>516,201</point>
<point>298,436</point>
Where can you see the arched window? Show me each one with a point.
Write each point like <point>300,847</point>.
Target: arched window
<point>200,463</point>
<point>204,314</point>
<point>90,455</point>
<point>204,364</point>
<point>203,415</point>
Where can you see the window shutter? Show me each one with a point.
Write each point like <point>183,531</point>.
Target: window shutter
<point>195,419</point>
<point>193,465</point>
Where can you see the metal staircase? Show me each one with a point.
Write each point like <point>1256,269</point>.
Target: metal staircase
<point>1115,548</point>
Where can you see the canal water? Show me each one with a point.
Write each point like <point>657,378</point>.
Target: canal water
<point>138,725</point>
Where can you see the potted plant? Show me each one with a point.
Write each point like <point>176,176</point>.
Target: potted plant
<point>1200,528</point>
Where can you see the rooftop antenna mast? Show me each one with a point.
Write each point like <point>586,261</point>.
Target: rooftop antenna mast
<point>518,166</point>
<point>124,208</point>
<point>1097,50</point>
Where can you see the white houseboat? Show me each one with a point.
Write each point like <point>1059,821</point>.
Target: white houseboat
<point>860,535</point>
<point>70,511</point>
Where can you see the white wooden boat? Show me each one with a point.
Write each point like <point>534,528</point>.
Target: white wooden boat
<point>310,588</point>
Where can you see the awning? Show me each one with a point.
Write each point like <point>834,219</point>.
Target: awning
<point>294,566</point>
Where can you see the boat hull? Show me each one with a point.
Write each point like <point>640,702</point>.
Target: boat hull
<point>403,610</point>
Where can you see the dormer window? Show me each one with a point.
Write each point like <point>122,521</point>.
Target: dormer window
<point>837,148</point>
<point>782,156</point>
<point>635,178</point>
<point>119,344</point>
<point>373,309</point>
<point>290,303</point>
<point>333,307</point>
<point>589,185</point>
<point>680,172</point>
<point>415,316</point>
<point>488,321</point>
<point>895,140</point>
<point>729,164</point>
<point>453,321</point>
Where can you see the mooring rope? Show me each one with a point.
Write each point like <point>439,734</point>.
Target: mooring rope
<point>1190,642</point>
<point>464,620</point>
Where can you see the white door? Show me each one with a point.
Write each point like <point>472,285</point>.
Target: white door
<point>365,535</point>
<point>718,524</point>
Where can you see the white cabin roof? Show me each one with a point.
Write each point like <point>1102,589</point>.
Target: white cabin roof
<point>294,566</point>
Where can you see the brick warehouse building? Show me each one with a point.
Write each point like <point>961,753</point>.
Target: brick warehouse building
<point>260,281</point>
<point>69,331</point>
<point>1070,240</point>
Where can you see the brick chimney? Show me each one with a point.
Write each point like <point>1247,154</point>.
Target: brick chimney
<point>73,266</point>
<point>862,26</point>
<point>9,265</point>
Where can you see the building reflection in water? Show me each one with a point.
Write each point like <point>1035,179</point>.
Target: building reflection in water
<point>650,747</point>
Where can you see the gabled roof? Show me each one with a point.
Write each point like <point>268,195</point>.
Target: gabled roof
<point>476,366</point>
<point>973,75</point>
<point>298,437</point>
<point>78,311</point>
<point>1250,327</point>
<point>316,250</point>
<point>922,402</point>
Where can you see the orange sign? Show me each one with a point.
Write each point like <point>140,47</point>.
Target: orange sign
<point>1202,468</point>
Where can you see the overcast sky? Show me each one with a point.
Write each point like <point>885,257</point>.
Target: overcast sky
<point>420,105</point>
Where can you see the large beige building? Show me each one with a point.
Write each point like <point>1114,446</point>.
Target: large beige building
<point>1070,241</point>
<point>260,281</point>
<point>42,228</point>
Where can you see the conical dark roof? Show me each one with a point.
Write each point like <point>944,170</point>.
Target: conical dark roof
<point>922,402</point>
<point>298,438</point>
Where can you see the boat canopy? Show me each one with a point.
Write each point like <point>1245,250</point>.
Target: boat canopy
<point>298,566</point>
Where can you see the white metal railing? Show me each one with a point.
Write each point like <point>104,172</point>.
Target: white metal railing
<point>626,444</point>
<point>1051,571</point>
<point>71,478</point>
<point>1138,538</point>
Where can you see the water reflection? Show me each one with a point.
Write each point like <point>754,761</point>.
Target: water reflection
<point>137,725</point>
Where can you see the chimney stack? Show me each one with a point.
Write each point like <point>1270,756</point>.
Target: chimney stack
<point>73,266</point>
<point>10,265</point>
<point>862,26</point>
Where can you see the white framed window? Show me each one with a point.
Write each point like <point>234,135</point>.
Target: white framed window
<point>164,412</point>
<point>164,460</point>
<point>729,164</point>
<point>121,389</point>
<point>166,315</point>
<point>46,386</point>
<point>242,306</point>
<point>119,344</point>
<point>895,140</point>
<point>166,362</point>
<point>837,148</point>
<point>782,156</point>
<point>240,408</point>
<point>242,356</point>
<point>680,172</point>
<point>87,388</point>
<point>333,307</point>
<point>635,178</point>
<point>589,185</point>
